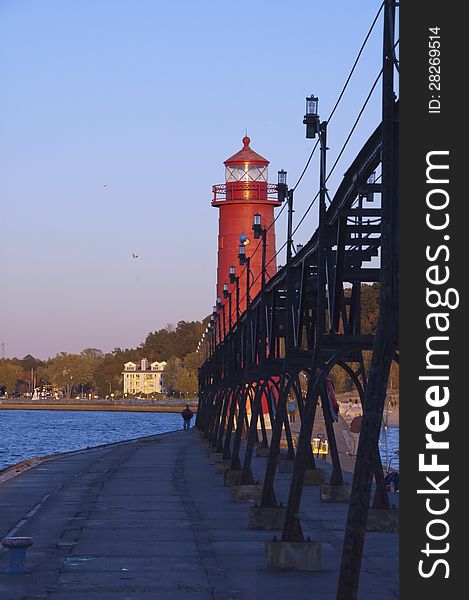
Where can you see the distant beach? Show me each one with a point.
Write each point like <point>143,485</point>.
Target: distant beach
<point>164,406</point>
<point>350,407</point>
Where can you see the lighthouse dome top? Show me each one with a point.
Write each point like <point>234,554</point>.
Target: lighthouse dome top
<point>246,166</point>
<point>246,156</point>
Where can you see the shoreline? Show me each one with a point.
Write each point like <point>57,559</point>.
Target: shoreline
<point>347,401</point>
<point>99,407</point>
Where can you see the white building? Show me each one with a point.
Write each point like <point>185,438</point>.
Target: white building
<point>143,378</point>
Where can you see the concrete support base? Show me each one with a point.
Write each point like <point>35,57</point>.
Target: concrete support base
<point>314,477</point>
<point>246,493</point>
<point>222,466</point>
<point>216,456</point>
<point>334,493</point>
<point>232,477</point>
<point>386,520</point>
<point>266,518</point>
<point>285,465</point>
<point>293,556</point>
<point>260,451</point>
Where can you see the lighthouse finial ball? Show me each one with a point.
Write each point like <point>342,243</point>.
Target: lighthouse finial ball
<point>246,141</point>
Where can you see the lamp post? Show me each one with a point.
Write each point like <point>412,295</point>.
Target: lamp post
<point>261,232</point>
<point>235,279</point>
<point>314,127</point>
<point>311,118</point>
<point>110,387</point>
<point>221,307</point>
<point>227,295</point>
<point>292,526</point>
<point>245,260</point>
<point>213,329</point>
<point>215,321</point>
<point>289,282</point>
<point>213,335</point>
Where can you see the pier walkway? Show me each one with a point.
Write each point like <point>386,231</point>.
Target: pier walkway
<point>150,519</point>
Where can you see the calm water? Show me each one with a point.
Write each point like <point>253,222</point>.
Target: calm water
<point>391,437</point>
<point>31,433</point>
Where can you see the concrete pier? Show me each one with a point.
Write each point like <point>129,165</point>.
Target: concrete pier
<point>150,519</point>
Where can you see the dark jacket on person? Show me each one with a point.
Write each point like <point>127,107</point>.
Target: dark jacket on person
<point>187,414</point>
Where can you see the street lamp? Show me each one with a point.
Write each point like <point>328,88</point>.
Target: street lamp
<point>243,239</point>
<point>261,232</point>
<point>311,118</point>
<point>235,279</point>
<point>314,127</point>
<point>282,185</point>
<point>110,387</point>
<point>227,295</point>
<point>256,226</point>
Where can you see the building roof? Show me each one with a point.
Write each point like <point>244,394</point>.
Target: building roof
<point>160,365</point>
<point>246,155</point>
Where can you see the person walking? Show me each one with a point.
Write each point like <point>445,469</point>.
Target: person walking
<point>355,428</point>
<point>187,415</point>
<point>291,410</point>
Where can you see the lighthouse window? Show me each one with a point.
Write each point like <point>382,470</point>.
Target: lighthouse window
<point>248,173</point>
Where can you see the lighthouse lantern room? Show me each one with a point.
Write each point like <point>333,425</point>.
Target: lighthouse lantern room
<point>245,197</point>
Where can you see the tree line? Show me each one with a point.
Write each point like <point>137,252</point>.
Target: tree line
<point>98,373</point>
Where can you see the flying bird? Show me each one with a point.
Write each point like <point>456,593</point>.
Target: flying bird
<point>134,255</point>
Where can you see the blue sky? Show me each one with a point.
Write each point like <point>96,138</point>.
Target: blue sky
<point>148,98</point>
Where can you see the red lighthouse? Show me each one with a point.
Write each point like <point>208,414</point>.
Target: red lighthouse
<point>245,193</point>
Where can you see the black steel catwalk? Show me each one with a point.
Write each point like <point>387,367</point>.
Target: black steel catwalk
<point>306,321</point>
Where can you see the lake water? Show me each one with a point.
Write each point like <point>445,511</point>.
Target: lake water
<point>389,438</point>
<point>31,433</point>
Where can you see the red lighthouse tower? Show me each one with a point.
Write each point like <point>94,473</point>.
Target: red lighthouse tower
<point>245,193</point>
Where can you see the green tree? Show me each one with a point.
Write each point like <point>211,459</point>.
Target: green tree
<point>370,307</point>
<point>108,374</point>
<point>341,380</point>
<point>93,354</point>
<point>186,382</point>
<point>158,345</point>
<point>171,371</point>
<point>9,375</point>
<point>193,361</point>
<point>70,370</point>
<point>169,341</point>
